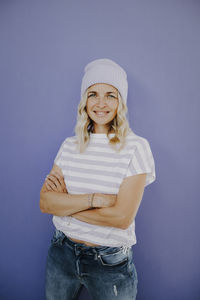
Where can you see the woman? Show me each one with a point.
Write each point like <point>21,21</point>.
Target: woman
<point>94,191</point>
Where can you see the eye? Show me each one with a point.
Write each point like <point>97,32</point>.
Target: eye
<point>111,96</point>
<point>91,95</point>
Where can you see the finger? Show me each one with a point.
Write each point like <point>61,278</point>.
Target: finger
<point>55,187</point>
<point>59,178</point>
<point>55,181</point>
<point>49,186</point>
<point>51,181</point>
<point>63,184</point>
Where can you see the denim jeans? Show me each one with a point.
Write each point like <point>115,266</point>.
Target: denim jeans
<point>106,272</point>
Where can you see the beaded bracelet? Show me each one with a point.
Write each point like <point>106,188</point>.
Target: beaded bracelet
<point>90,199</point>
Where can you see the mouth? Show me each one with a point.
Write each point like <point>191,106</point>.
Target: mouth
<point>101,113</point>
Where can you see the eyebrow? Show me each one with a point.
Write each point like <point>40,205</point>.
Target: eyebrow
<point>106,93</point>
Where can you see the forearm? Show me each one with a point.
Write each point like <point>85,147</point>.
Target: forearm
<point>106,216</point>
<point>63,204</point>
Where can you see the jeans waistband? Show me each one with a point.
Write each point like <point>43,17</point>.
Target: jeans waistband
<point>83,247</point>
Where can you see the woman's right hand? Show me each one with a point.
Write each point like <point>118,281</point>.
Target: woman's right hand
<point>104,200</point>
<point>55,182</point>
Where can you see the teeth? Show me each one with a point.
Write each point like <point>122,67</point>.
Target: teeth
<point>100,113</point>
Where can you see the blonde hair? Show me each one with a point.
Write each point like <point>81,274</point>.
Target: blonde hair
<point>119,125</point>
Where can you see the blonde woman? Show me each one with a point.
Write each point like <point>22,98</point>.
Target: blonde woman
<point>94,191</point>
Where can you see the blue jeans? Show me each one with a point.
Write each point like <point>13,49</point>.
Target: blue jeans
<point>106,272</point>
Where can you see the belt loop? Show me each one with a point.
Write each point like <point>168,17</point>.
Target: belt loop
<point>77,249</point>
<point>125,249</point>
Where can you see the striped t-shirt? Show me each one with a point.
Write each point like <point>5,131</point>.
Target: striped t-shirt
<point>100,169</point>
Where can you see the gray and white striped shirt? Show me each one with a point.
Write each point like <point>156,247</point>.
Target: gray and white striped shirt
<point>100,169</point>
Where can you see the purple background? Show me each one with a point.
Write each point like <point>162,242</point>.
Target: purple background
<point>44,48</point>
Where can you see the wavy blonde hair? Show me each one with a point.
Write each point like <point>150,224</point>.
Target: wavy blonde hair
<point>85,126</point>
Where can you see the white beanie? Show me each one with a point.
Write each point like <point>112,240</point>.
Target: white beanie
<point>105,70</point>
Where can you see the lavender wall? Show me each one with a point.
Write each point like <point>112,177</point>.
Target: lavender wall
<point>44,48</point>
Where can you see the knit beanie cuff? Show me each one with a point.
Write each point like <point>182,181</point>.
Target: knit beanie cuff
<point>105,71</point>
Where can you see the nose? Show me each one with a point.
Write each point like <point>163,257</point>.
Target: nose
<point>101,102</point>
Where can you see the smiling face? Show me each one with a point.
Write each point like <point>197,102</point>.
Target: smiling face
<point>102,105</point>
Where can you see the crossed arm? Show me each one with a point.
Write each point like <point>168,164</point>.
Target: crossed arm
<point>110,209</point>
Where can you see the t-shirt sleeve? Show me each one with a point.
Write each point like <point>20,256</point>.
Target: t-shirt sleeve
<point>142,161</point>
<point>58,157</point>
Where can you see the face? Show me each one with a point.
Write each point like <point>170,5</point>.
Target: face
<point>102,105</point>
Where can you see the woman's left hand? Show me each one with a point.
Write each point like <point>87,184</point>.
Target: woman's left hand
<point>55,182</point>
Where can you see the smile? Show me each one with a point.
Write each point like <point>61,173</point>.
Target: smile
<point>101,113</point>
